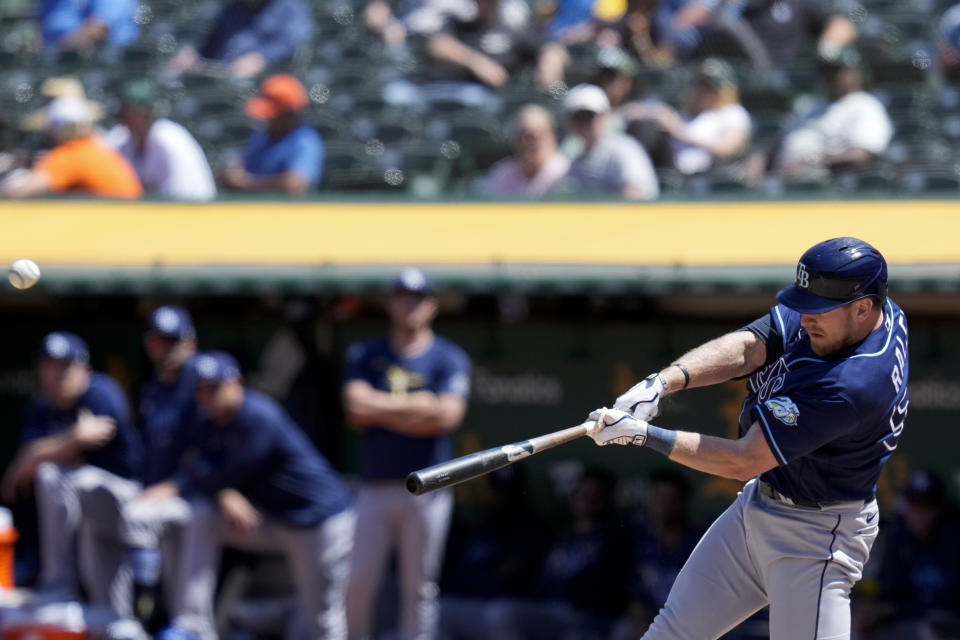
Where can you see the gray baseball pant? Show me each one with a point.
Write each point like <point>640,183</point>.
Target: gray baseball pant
<point>318,557</point>
<point>801,561</point>
<point>156,524</point>
<point>84,504</point>
<point>389,516</point>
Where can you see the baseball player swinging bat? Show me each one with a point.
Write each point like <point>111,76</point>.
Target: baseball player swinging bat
<point>470,466</point>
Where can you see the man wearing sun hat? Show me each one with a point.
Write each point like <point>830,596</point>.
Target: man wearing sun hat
<point>80,162</point>
<point>285,156</point>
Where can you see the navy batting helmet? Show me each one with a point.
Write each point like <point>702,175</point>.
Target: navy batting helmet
<point>834,273</point>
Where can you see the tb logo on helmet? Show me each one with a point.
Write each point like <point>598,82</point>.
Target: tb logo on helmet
<point>803,277</point>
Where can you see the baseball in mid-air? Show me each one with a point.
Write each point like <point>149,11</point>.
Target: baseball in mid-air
<point>24,273</point>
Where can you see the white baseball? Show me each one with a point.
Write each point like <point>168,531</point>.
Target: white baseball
<point>24,273</point>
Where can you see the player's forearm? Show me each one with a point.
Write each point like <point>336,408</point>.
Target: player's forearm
<point>63,447</point>
<point>437,419</point>
<point>394,411</point>
<point>729,356</point>
<point>738,459</point>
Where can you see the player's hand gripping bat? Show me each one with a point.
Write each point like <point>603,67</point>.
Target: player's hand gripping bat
<point>473,465</point>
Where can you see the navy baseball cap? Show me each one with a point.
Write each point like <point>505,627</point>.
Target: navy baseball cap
<point>172,322</point>
<point>834,273</point>
<point>924,487</point>
<point>214,367</point>
<point>63,345</point>
<point>415,280</point>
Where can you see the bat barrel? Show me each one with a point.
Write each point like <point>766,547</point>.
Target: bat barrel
<point>457,470</point>
<point>470,466</point>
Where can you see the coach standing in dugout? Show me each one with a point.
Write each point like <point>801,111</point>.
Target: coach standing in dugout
<point>408,391</point>
<point>825,408</point>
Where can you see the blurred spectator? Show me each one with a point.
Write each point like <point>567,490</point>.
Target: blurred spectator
<point>848,130</point>
<point>394,20</point>
<point>81,161</point>
<point>494,552</point>
<point>50,90</point>
<point>614,72</point>
<point>581,586</point>
<point>408,392</point>
<point>660,31</point>
<point>919,575</point>
<point>84,456</point>
<point>665,537</point>
<point>258,484</point>
<point>286,155</point>
<point>948,45</point>
<point>248,37</point>
<point>714,128</point>
<point>378,16</point>
<point>537,167</point>
<point>789,28</point>
<point>612,162</point>
<point>490,46</point>
<point>168,160</point>
<point>87,24</point>
<point>10,157</point>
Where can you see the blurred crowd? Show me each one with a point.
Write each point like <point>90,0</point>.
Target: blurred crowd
<point>482,98</point>
<point>136,503</point>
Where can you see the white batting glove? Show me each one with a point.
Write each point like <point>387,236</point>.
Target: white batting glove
<point>612,426</point>
<point>642,400</point>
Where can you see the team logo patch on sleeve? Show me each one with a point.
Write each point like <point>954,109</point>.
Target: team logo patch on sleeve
<point>784,410</point>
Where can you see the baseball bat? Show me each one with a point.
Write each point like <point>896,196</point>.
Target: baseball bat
<point>470,466</point>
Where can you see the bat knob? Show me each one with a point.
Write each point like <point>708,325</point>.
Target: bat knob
<point>414,483</point>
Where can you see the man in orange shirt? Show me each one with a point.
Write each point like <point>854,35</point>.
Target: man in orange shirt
<point>81,161</point>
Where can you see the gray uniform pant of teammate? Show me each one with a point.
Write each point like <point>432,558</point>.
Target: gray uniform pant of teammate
<point>82,506</point>
<point>801,561</point>
<point>388,517</point>
<point>158,524</point>
<point>318,557</point>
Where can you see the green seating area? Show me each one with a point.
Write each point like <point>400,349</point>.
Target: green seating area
<point>409,145</point>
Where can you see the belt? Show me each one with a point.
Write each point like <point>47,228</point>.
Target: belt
<point>766,489</point>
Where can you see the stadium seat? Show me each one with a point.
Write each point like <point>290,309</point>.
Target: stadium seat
<point>933,178</point>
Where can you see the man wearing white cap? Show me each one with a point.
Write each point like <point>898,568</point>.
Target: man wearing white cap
<point>80,161</point>
<point>611,162</point>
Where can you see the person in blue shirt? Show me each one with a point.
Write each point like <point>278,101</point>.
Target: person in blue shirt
<point>287,155</point>
<point>919,577</point>
<point>83,455</point>
<point>825,408</point>
<point>408,392</point>
<point>87,24</point>
<point>258,484</point>
<point>249,36</point>
<point>167,423</point>
<point>664,536</point>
